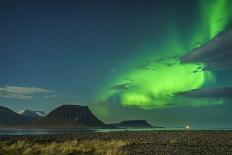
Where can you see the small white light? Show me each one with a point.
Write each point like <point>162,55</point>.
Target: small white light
<point>187,127</point>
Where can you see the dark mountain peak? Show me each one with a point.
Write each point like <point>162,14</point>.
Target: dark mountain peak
<point>9,118</point>
<point>5,109</point>
<point>70,112</point>
<point>71,108</point>
<point>132,124</point>
<point>66,116</point>
<point>72,105</point>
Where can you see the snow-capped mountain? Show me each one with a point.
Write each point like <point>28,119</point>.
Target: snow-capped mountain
<point>10,118</point>
<point>36,114</point>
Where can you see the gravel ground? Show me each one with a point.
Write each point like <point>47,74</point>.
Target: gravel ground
<point>150,142</point>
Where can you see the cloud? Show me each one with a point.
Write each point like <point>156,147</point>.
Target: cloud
<point>220,92</point>
<point>216,54</point>
<point>22,93</point>
<point>121,86</point>
<point>165,61</point>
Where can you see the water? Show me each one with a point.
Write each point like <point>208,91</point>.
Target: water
<point>71,131</point>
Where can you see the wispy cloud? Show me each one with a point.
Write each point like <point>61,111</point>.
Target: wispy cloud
<point>22,93</point>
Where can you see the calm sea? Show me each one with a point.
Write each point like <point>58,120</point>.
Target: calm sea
<point>61,131</point>
<point>72,131</point>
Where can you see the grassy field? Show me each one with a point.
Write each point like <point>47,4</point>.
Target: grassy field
<point>72,147</point>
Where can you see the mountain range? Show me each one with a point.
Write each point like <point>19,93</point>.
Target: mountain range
<point>9,118</point>
<point>65,116</point>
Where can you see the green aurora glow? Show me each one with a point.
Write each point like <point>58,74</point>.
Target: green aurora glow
<point>216,16</point>
<point>154,79</point>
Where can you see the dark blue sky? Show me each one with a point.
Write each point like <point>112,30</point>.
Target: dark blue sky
<point>71,46</point>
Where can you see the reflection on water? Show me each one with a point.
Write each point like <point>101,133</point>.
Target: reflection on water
<point>73,131</point>
<point>38,131</point>
<point>67,131</point>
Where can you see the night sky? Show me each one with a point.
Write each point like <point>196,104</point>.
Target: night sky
<point>165,61</point>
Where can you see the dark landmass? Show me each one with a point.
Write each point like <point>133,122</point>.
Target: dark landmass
<point>69,116</point>
<point>65,116</point>
<point>125,142</point>
<point>132,124</point>
<point>9,118</point>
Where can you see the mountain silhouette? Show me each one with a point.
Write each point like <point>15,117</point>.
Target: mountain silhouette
<point>132,124</point>
<point>9,118</point>
<point>69,116</point>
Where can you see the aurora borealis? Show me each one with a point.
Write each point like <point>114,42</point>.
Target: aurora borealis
<point>165,61</point>
<point>154,82</point>
<point>216,16</point>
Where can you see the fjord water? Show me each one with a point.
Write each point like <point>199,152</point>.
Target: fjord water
<point>70,131</point>
<point>6,132</point>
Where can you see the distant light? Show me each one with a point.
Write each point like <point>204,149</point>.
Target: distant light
<point>187,127</point>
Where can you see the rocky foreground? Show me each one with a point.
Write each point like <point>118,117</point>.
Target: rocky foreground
<point>135,142</point>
